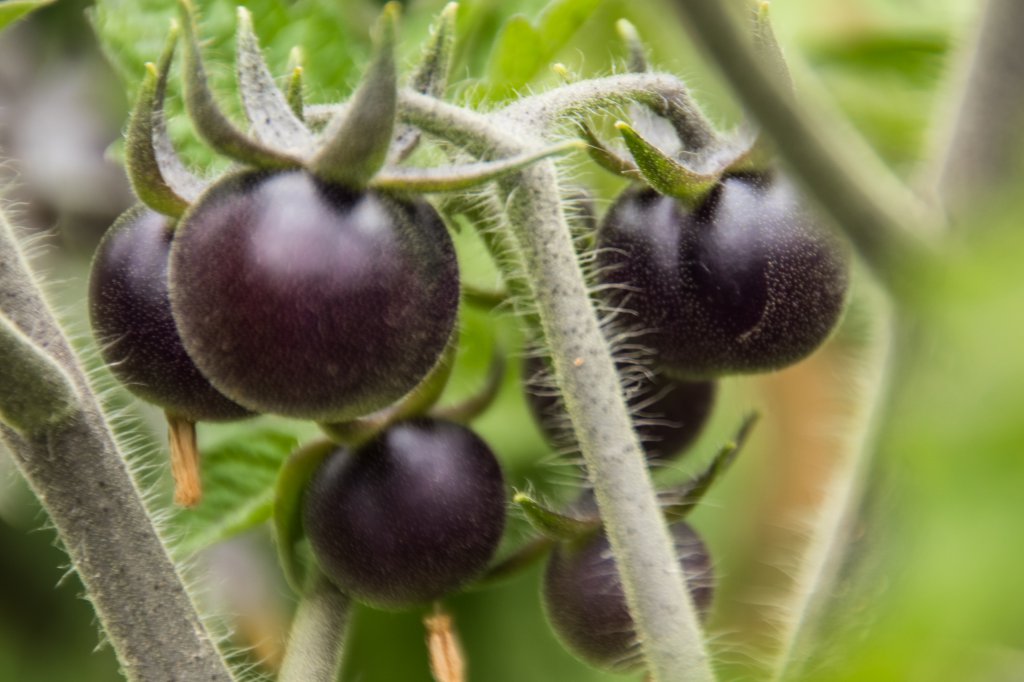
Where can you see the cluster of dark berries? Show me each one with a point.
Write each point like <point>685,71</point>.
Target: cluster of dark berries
<point>314,282</point>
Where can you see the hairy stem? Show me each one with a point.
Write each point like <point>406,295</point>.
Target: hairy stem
<point>982,147</point>
<point>666,95</point>
<point>317,640</point>
<point>879,215</point>
<point>80,477</point>
<point>666,621</point>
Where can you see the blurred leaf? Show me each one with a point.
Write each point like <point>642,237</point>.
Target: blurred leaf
<point>518,53</point>
<point>523,49</point>
<point>12,11</point>
<point>238,488</point>
<point>887,83</point>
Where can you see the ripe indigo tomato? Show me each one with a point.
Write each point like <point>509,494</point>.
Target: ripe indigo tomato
<point>409,517</point>
<point>668,415</point>
<point>586,606</point>
<point>130,311</point>
<point>304,298</point>
<point>747,282</point>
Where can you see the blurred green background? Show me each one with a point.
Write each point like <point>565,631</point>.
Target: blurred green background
<point>934,588</point>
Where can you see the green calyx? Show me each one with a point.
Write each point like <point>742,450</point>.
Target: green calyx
<point>158,176</point>
<point>666,175</point>
<point>357,140</point>
<point>209,119</point>
<point>553,524</point>
<point>684,499</point>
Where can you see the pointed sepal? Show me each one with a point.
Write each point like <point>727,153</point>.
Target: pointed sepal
<point>209,119</point>
<point>637,59</point>
<point>294,92</point>
<point>467,176</point>
<point>430,76</point>
<point>683,500</point>
<point>666,175</point>
<point>158,176</point>
<point>477,404</point>
<point>603,155</point>
<point>767,45</point>
<point>554,524</point>
<point>357,141</point>
<point>272,121</point>
<point>759,155</point>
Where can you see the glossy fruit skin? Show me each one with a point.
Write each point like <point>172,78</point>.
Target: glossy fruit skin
<point>130,312</point>
<point>586,606</point>
<point>668,415</point>
<point>306,299</point>
<point>747,282</point>
<point>412,515</point>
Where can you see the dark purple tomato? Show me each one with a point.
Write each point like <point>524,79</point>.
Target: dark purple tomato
<point>668,415</point>
<point>310,300</point>
<point>412,515</point>
<point>586,606</point>
<point>748,282</point>
<point>131,319</point>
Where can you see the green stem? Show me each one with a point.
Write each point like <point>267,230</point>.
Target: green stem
<point>879,215</point>
<point>983,146</point>
<point>316,643</point>
<point>665,617</point>
<point>79,475</point>
<point>664,94</point>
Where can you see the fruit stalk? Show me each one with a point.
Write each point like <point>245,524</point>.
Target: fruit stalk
<point>317,640</point>
<point>666,620</point>
<point>79,475</point>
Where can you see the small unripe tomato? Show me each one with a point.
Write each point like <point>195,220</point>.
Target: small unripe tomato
<point>412,515</point>
<point>586,606</point>
<point>747,282</point>
<point>303,298</point>
<point>130,312</point>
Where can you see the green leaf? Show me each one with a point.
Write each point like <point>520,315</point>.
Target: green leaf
<point>10,12</point>
<point>561,19</point>
<point>518,54</point>
<point>524,49</point>
<point>238,488</point>
<point>287,505</point>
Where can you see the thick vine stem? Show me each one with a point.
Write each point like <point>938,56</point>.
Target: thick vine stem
<point>879,215</point>
<point>80,477</point>
<point>666,621</point>
<point>317,640</point>
<point>982,146</point>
